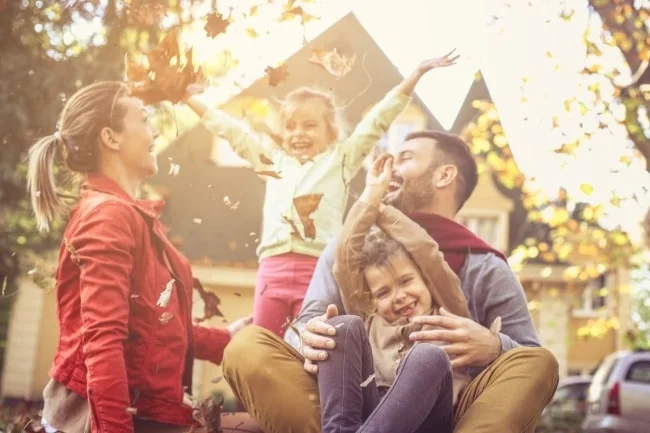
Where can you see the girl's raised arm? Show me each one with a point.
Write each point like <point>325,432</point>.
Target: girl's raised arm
<point>377,121</point>
<point>242,138</point>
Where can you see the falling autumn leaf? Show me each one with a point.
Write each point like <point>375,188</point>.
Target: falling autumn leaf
<point>208,414</point>
<point>165,75</point>
<point>211,301</point>
<point>229,203</point>
<point>333,62</point>
<point>270,173</point>
<point>216,24</point>
<point>587,188</point>
<point>277,75</point>
<point>252,32</point>
<point>265,160</point>
<point>291,11</point>
<point>306,205</point>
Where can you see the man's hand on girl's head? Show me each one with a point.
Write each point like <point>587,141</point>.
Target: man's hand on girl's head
<point>315,337</point>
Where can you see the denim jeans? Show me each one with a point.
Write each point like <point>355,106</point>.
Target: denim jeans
<point>419,401</point>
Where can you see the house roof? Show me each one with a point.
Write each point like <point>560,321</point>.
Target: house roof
<point>371,77</point>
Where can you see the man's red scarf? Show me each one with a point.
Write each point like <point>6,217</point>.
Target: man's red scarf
<point>456,241</point>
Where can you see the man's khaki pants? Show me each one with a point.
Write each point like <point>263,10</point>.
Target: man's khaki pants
<point>267,376</point>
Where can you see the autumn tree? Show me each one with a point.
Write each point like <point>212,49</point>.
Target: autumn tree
<point>626,26</point>
<point>52,48</point>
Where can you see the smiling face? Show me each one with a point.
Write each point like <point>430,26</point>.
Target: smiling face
<point>135,139</point>
<point>412,185</point>
<point>306,130</point>
<point>397,288</point>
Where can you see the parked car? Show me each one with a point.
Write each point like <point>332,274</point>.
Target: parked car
<point>567,409</point>
<point>618,400</point>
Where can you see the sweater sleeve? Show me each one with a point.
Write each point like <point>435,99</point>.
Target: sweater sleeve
<point>371,129</point>
<point>104,246</point>
<point>499,293</point>
<point>347,256</point>
<point>243,140</point>
<point>209,343</point>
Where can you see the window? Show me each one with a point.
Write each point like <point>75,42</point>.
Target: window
<point>487,227</point>
<point>639,372</point>
<point>594,297</point>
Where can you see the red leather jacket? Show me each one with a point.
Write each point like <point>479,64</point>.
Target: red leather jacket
<point>126,332</point>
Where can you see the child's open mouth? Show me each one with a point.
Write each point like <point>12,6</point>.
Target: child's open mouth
<point>301,146</point>
<point>407,310</point>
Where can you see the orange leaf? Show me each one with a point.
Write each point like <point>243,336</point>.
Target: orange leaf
<point>265,160</point>
<point>292,12</point>
<point>166,76</point>
<point>333,62</point>
<point>277,75</point>
<point>306,205</point>
<point>269,173</point>
<point>216,25</point>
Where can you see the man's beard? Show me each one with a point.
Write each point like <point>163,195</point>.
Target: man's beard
<point>414,194</point>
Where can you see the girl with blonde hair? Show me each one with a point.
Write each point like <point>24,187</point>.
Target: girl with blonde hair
<point>306,184</point>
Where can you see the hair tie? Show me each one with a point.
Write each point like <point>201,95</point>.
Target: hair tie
<point>58,136</point>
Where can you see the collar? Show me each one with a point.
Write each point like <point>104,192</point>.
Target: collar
<point>101,183</point>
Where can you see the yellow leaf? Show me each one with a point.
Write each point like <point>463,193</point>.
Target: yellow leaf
<point>616,201</point>
<point>560,216</point>
<point>480,145</point>
<point>625,160</point>
<point>500,140</point>
<point>587,188</point>
<point>251,32</point>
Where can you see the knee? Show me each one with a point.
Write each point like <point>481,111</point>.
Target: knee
<point>540,361</point>
<point>545,364</point>
<point>432,357</point>
<point>539,365</point>
<point>247,351</point>
<point>347,325</point>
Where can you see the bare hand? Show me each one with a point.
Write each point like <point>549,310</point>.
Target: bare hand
<point>468,343</point>
<point>377,180</point>
<point>239,324</point>
<point>380,172</point>
<point>195,89</point>
<point>313,338</point>
<point>438,62</point>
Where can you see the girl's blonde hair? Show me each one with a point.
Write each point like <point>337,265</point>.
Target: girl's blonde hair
<point>305,95</point>
<point>90,109</point>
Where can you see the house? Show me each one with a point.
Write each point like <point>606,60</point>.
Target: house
<point>214,211</point>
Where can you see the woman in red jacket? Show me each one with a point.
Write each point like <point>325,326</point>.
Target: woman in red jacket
<point>124,293</point>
